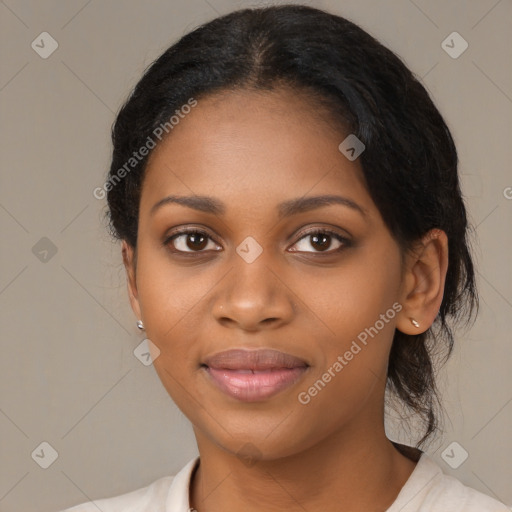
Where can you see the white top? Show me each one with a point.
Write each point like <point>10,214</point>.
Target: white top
<point>427,489</point>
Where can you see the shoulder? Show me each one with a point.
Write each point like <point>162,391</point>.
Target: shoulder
<point>154,494</point>
<point>450,494</point>
<point>167,494</point>
<point>430,490</point>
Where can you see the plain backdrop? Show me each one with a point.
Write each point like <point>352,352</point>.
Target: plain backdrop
<point>68,373</point>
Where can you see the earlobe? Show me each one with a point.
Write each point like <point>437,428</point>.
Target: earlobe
<point>423,283</point>
<point>128,253</point>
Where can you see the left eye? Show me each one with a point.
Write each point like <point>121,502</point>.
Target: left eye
<point>321,240</point>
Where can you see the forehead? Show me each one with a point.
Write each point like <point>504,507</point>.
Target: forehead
<point>258,145</point>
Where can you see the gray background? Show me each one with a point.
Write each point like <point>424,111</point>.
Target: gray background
<point>68,373</point>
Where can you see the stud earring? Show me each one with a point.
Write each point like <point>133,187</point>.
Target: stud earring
<point>140,325</point>
<point>414,322</point>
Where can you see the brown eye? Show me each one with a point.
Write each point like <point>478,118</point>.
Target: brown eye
<point>321,241</point>
<point>190,241</point>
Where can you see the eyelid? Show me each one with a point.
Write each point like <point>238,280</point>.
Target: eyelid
<point>188,229</point>
<point>322,229</point>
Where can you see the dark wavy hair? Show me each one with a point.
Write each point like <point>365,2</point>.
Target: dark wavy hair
<point>410,160</point>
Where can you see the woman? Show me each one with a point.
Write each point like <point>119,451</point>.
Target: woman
<point>295,241</point>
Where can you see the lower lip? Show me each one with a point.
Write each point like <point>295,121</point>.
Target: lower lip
<point>253,387</point>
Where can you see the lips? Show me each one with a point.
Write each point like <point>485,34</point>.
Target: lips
<point>253,375</point>
<point>264,359</point>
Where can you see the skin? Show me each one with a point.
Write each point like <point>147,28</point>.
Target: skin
<point>252,151</point>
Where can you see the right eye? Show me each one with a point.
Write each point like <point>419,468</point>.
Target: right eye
<point>188,240</point>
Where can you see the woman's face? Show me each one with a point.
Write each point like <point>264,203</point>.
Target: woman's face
<point>254,277</point>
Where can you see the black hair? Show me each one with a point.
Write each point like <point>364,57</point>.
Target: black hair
<point>409,163</point>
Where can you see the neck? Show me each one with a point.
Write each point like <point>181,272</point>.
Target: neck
<point>345,472</point>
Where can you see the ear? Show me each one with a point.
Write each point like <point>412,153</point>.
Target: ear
<point>423,282</point>
<point>130,263</point>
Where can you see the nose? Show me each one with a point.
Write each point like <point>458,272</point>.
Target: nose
<point>253,297</point>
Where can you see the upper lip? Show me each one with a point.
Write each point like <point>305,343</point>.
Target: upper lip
<point>261,359</point>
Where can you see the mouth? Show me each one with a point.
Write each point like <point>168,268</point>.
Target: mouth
<point>253,375</point>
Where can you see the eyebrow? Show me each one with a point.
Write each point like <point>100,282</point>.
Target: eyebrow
<point>288,208</point>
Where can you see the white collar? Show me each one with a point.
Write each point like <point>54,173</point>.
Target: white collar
<point>178,497</point>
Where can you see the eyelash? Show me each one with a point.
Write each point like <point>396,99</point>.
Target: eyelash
<point>317,231</point>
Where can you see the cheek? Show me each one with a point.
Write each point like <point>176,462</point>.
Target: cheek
<point>167,292</point>
<point>358,304</point>
<point>352,373</point>
<point>168,298</point>
<point>352,297</point>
